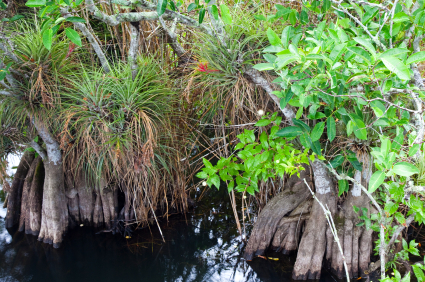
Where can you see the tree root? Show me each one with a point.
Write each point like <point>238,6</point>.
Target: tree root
<point>314,241</point>
<point>268,221</point>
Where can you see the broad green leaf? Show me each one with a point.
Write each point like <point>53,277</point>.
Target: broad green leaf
<point>285,36</point>
<point>73,36</point>
<point>376,180</point>
<point>361,53</point>
<point>273,38</point>
<point>225,14</point>
<point>191,7</point>
<point>263,122</point>
<point>416,58</point>
<point>390,208</point>
<point>215,180</point>
<point>285,100</point>
<point>75,20</point>
<point>342,187</point>
<point>331,128</point>
<point>405,169</point>
<point>263,66</point>
<point>201,15</point>
<point>394,52</point>
<point>418,273</point>
<point>366,44</point>
<point>317,131</point>
<point>16,17</point>
<point>337,161</point>
<point>337,51</point>
<point>350,127</point>
<point>318,57</point>
<point>35,3</point>
<point>161,6</point>
<point>413,150</point>
<point>397,67</point>
<point>293,17</point>
<point>401,17</point>
<point>387,86</point>
<point>214,12</point>
<point>385,145</point>
<point>290,131</point>
<point>301,125</point>
<point>48,38</point>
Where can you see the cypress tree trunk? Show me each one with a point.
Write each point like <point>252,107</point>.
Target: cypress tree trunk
<point>14,199</point>
<point>33,225</point>
<point>54,216</point>
<point>24,217</point>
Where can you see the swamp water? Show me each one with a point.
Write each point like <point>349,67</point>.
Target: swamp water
<point>203,245</point>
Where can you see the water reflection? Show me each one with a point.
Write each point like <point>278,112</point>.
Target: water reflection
<point>202,246</point>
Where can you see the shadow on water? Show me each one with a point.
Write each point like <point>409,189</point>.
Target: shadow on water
<point>202,246</point>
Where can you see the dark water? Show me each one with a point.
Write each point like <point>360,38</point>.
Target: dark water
<point>202,246</point>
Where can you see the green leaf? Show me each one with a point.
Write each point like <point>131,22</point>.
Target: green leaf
<point>48,38</point>
<point>342,187</point>
<point>285,36</point>
<point>191,7</point>
<point>397,67</point>
<point>366,44</point>
<point>317,131</point>
<point>394,52</point>
<point>413,150</point>
<point>16,17</point>
<point>400,17</point>
<point>201,15</point>
<point>301,125</point>
<point>361,53</point>
<point>376,180</point>
<point>215,180</point>
<point>273,38</point>
<point>331,128</point>
<point>337,51</point>
<point>263,66</point>
<point>415,58</point>
<point>293,17</point>
<point>214,12</point>
<point>225,14</point>
<point>405,169</point>
<point>418,273</point>
<point>337,161</point>
<point>390,208</point>
<point>73,36</point>
<point>263,122</point>
<point>75,20</point>
<point>290,131</point>
<point>202,175</point>
<point>230,186</point>
<point>161,6</point>
<point>35,3</point>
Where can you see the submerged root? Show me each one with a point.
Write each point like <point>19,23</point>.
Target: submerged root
<point>287,235</point>
<point>268,221</point>
<point>314,241</point>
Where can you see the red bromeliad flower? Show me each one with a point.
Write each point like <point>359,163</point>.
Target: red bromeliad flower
<point>70,49</point>
<point>203,67</point>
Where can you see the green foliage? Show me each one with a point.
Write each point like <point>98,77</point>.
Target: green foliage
<point>258,157</point>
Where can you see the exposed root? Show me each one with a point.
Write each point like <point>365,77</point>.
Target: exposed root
<point>15,195</point>
<point>314,240</point>
<point>268,221</point>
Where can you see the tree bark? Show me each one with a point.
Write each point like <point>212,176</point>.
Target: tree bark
<point>35,200</point>
<point>54,221</point>
<point>268,221</point>
<point>24,217</point>
<point>14,199</point>
<point>315,237</point>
